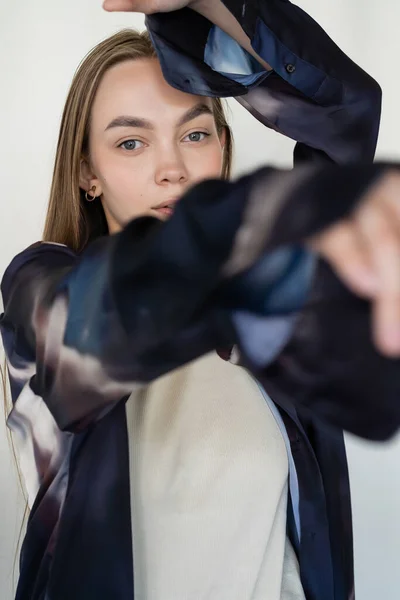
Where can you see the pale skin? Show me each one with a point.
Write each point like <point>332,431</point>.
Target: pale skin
<point>148,143</point>
<point>364,249</point>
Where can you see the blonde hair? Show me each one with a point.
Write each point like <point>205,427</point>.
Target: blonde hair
<point>70,219</point>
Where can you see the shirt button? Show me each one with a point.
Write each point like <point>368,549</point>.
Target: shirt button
<point>290,68</point>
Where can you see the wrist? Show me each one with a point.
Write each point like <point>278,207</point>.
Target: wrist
<point>198,4</point>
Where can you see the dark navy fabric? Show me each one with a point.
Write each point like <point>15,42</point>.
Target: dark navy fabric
<point>317,95</point>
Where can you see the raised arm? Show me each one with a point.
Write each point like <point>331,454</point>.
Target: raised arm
<point>316,95</point>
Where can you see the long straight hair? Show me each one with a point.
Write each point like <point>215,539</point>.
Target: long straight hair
<point>70,219</point>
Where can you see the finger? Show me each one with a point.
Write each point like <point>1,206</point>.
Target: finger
<point>386,325</point>
<point>120,5</point>
<point>391,196</point>
<point>382,237</point>
<point>344,248</point>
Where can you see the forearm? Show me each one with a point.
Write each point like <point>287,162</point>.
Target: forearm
<point>143,302</point>
<point>315,95</point>
<point>216,12</point>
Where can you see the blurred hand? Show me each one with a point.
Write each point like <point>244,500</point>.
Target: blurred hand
<point>364,250</point>
<point>146,6</point>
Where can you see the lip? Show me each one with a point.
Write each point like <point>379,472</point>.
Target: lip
<point>167,207</point>
<point>165,210</point>
<point>171,202</point>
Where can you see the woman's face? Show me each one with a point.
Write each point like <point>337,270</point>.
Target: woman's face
<point>148,143</point>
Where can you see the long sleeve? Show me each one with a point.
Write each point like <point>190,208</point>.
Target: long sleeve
<point>316,95</point>
<point>320,98</point>
<point>84,331</point>
<point>332,367</point>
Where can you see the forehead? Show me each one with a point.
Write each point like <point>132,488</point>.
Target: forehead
<point>138,88</point>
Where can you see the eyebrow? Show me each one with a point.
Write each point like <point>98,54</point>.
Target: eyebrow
<point>138,122</point>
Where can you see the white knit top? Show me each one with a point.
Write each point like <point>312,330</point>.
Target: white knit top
<point>209,485</point>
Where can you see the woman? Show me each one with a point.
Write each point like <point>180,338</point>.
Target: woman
<point>180,485</point>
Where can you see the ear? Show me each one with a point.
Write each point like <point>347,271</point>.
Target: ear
<point>87,179</point>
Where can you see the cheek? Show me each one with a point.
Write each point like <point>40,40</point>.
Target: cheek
<point>122,175</point>
<point>116,171</point>
<point>125,186</point>
<point>207,165</point>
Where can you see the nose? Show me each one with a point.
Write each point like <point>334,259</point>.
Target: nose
<point>171,168</point>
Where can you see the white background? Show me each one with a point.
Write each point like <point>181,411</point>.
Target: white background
<point>41,44</point>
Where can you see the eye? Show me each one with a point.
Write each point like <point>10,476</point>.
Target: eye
<point>131,145</point>
<point>196,136</point>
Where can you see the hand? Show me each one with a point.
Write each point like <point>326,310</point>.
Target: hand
<point>213,10</point>
<point>364,250</point>
<point>146,6</point>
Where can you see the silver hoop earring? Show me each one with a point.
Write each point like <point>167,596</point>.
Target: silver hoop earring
<point>93,196</point>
